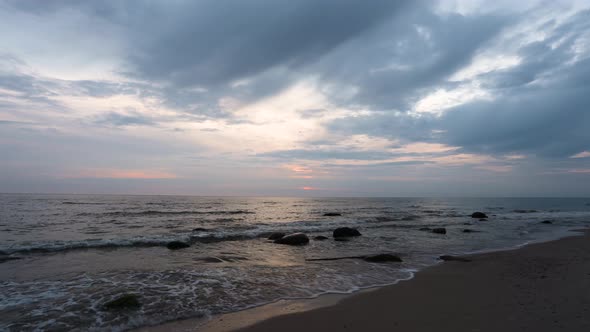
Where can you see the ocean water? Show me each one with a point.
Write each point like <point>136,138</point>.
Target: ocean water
<point>63,256</point>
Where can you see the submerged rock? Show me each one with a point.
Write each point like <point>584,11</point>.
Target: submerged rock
<point>454,258</point>
<point>276,236</point>
<point>470,231</point>
<point>524,211</point>
<point>320,238</point>
<point>127,301</point>
<point>175,245</point>
<point>332,214</point>
<point>345,232</point>
<point>293,239</point>
<point>478,215</point>
<point>546,222</point>
<point>441,230</point>
<point>382,258</point>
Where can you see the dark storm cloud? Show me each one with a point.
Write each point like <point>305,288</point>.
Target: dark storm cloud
<point>538,107</point>
<point>541,106</point>
<point>216,42</point>
<point>410,56</point>
<point>118,119</point>
<point>211,44</point>
<point>392,52</point>
<point>389,125</point>
<point>552,121</point>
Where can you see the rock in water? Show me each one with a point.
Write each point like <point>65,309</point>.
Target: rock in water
<point>454,258</point>
<point>346,232</point>
<point>470,231</point>
<point>293,239</point>
<point>332,214</point>
<point>546,222</point>
<point>478,215</point>
<point>127,301</point>
<point>440,230</point>
<point>175,245</point>
<point>320,238</point>
<point>382,258</point>
<point>276,236</point>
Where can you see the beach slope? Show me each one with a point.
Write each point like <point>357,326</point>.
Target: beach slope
<point>540,287</point>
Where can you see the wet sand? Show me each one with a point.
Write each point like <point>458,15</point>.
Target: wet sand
<point>540,287</point>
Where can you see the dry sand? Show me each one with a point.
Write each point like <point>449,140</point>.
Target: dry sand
<point>540,287</point>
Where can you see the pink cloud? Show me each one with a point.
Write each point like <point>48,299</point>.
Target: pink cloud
<point>583,154</point>
<point>122,174</point>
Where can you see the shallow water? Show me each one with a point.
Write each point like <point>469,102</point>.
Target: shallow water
<point>78,251</point>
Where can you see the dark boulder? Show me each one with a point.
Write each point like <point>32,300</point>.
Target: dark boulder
<point>276,236</point>
<point>332,214</point>
<point>201,229</point>
<point>546,222</point>
<point>175,245</point>
<point>346,232</point>
<point>320,238</point>
<point>478,215</point>
<point>439,230</point>
<point>454,258</point>
<point>293,239</point>
<point>470,231</point>
<point>127,301</point>
<point>382,258</point>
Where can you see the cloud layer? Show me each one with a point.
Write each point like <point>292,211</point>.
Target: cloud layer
<point>351,98</point>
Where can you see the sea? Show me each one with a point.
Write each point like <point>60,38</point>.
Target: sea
<point>62,257</point>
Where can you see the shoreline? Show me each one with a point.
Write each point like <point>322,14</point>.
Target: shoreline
<point>282,312</point>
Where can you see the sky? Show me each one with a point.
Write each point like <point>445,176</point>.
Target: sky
<point>295,98</point>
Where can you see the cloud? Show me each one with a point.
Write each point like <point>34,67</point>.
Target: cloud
<point>343,92</point>
<point>118,119</point>
<point>583,154</point>
<point>210,42</point>
<point>537,106</point>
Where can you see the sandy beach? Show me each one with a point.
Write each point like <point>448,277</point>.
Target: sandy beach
<point>540,287</point>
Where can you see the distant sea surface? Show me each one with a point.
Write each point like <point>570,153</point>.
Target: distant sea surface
<point>62,257</point>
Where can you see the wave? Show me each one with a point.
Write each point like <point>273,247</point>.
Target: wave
<point>162,213</point>
<point>82,203</point>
